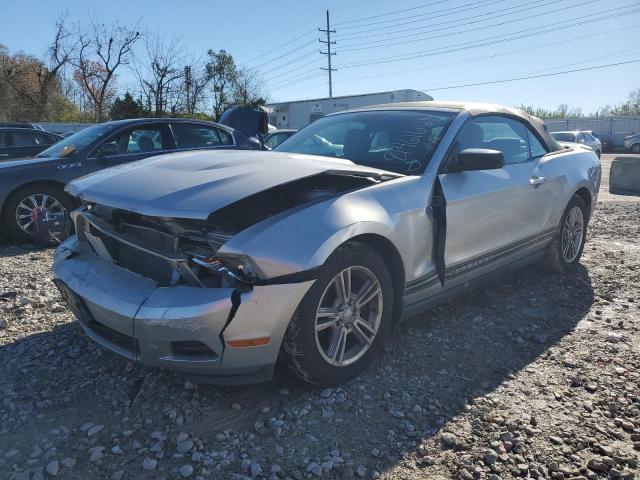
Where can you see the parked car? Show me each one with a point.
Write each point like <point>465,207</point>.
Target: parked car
<point>584,138</point>
<point>228,262</point>
<point>35,185</point>
<point>24,142</point>
<point>32,126</point>
<point>632,143</point>
<point>275,138</point>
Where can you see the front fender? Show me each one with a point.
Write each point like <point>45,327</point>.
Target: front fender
<point>305,237</point>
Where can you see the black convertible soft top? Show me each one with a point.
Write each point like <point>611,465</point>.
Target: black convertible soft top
<point>476,109</point>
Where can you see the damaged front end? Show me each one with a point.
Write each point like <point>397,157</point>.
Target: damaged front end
<point>160,290</point>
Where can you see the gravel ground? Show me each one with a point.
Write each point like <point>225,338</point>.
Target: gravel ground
<point>536,376</point>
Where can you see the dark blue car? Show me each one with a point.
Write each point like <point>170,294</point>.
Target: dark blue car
<point>35,186</point>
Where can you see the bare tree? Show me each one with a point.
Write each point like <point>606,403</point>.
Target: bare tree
<point>160,72</point>
<point>195,83</point>
<point>248,89</point>
<point>35,81</point>
<point>100,53</point>
<point>221,70</point>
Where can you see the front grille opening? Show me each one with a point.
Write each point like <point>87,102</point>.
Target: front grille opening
<point>192,349</point>
<point>119,339</point>
<point>136,260</point>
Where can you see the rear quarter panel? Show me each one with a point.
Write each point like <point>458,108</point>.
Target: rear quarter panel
<point>567,171</point>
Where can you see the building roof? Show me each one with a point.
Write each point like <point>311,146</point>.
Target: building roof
<point>282,104</point>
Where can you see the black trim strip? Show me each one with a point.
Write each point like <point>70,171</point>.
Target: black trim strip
<point>462,268</point>
<point>484,275</point>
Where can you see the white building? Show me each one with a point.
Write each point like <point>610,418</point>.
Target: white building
<point>299,113</point>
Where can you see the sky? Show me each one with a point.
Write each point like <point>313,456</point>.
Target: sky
<point>436,46</point>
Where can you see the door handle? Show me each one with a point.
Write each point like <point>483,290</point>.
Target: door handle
<point>537,180</point>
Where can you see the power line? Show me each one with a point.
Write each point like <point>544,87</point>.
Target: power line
<point>529,77</point>
<point>450,10</point>
<point>295,69</point>
<point>290,62</point>
<point>360,36</point>
<point>299,75</point>
<point>289,52</point>
<point>375,44</point>
<point>494,55</point>
<point>298,81</point>
<point>288,42</point>
<point>391,13</point>
<point>485,41</point>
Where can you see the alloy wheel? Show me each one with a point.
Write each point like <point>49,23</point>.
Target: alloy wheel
<point>33,205</point>
<point>572,234</point>
<point>348,316</point>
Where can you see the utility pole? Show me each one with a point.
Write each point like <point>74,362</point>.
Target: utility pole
<point>328,53</point>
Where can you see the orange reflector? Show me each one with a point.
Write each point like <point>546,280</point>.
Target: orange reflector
<point>250,342</point>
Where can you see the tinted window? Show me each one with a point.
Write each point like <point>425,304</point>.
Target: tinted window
<point>276,139</point>
<point>77,142</point>
<point>496,133</point>
<point>400,141</point>
<point>5,141</point>
<point>564,136</point>
<point>24,139</point>
<point>141,139</point>
<point>199,136</point>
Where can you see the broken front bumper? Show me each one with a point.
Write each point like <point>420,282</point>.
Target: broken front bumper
<point>183,328</point>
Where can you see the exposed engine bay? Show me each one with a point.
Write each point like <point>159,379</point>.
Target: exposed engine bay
<point>175,251</point>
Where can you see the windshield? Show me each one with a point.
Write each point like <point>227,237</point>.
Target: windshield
<point>70,146</point>
<point>564,136</point>
<point>400,141</point>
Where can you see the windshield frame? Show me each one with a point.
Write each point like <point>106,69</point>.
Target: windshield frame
<point>101,130</point>
<point>451,113</point>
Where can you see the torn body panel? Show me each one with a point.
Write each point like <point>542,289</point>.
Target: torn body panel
<point>165,323</point>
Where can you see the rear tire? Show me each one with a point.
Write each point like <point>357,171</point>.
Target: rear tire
<point>563,253</point>
<point>21,200</point>
<point>316,347</point>
<point>635,148</point>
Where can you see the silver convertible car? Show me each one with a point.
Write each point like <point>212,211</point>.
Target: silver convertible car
<point>223,264</point>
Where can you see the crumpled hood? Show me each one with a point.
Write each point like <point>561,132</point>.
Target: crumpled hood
<point>195,184</point>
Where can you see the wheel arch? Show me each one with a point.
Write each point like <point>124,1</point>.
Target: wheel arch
<point>585,195</point>
<point>390,255</point>
<point>9,196</point>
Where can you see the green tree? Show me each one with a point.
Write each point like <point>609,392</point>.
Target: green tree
<point>222,73</point>
<point>127,107</point>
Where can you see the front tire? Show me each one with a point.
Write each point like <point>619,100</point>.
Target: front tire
<point>563,253</point>
<point>343,319</point>
<point>635,148</point>
<point>21,204</point>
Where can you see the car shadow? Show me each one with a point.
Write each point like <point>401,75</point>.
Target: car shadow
<point>433,365</point>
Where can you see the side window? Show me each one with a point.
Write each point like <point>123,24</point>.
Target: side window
<point>138,140</point>
<point>536,148</point>
<point>24,139</point>
<point>274,140</point>
<point>188,135</point>
<point>497,133</point>
<point>44,139</point>
<point>5,140</point>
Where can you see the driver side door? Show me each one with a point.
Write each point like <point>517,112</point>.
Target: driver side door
<point>493,216</point>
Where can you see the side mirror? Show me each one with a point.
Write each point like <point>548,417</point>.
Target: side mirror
<point>479,159</point>
<point>107,149</point>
